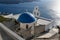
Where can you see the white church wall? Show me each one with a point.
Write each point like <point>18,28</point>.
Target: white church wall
<point>22,25</point>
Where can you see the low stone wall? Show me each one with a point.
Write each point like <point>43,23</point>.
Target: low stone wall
<point>39,29</point>
<point>25,33</point>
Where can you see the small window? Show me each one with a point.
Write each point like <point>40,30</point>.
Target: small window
<point>26,26</point>
<point>36,8</point>
<point>37,13</point>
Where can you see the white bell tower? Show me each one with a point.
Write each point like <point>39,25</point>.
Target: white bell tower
<point>36,12</point>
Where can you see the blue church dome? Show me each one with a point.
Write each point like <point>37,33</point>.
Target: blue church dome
<point>26,18</point>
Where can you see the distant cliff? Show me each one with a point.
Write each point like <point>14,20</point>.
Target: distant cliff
<point>14,1</point>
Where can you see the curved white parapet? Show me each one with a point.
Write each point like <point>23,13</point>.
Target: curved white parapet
<point>1,37</point>
<point>16,16</point>
<point>10,32</point>
<point>8,16</point>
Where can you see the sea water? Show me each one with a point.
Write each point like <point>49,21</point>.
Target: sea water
<point>48,8</point>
